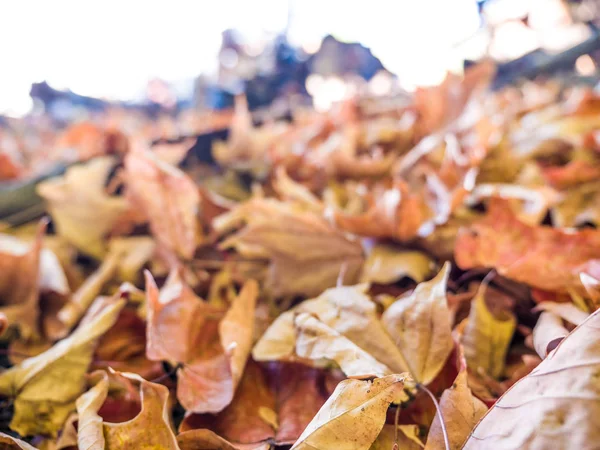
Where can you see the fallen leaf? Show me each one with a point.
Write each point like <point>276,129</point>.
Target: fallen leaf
<point>169,199</point>
<point>548,333</point>
<point>208,440</point>
<point>41,403</point>
<point>387,439</point>
<point>19,286</point>
<point>82,211</point>
<point>460,412</point>
<point>543,257</point>
<point>353,416</point>
<point>347,311</point>
<point>566,311</point>
<point>150,429</point>
<point>386,264</point>
<point>555,406</point>
<point>420,325</point>
<point>486,338</point>
<point>212,347</point>
<point>306,253</point>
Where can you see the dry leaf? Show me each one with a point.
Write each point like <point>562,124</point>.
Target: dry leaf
<point>556,406</point>
<point>566,311</point>
<point>543,257</point>
<point>353,416</point>
<point>207,440</point>
<point>212,348</point>
<point>8,443</point>
<point>150,429</point>
<point>82,211</point>
<point>485,338</point>
<point>168,198</point>
<point>349,312</point>
<point>407,438</point>
<point>548,333</point>
<point>461,411</point>
<point>421,327</point>
<point>386,264</point>
<point>307,254</point>
<point>42,403</point>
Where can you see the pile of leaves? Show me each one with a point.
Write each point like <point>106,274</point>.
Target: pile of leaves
<point>382,276</point>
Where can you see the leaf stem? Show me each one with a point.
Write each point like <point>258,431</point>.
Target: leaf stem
<point>439,411</point>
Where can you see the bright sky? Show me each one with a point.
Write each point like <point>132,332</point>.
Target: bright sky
<point>111,48</point>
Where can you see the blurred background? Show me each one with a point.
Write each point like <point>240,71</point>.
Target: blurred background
<point>185,53</point>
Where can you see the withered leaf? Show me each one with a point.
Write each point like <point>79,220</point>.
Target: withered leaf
<point>386,265</point>
<point>421,327</point>
<point>556,406</point>
<point>353,416</point>
<point>46,386</point>
<point>8,443</point>
<point>81,209</point>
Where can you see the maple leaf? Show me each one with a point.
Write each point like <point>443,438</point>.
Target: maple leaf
<point>149,429</point>
<point>540,256</point>
<point>555,406</point>
<point>306,253</point>
<point>168,198</point>
<point>82,211</point>
<point>213,347</point>
<point>41,403</point>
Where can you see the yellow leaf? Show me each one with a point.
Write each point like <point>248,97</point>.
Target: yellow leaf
<point>461,411</point>
<point>317,341</point>
<point>353,416</point>
<point>407,438</point>
<point>420,325</point>
<point>348,311</point>
<point>387,264</point>
<point>80,207</point>
<point>47,385</point>
<point>486,339</point>
<point>556,406</point>
<point>149,430</point>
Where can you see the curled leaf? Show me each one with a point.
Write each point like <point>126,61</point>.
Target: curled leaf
<point>353,416</point>
<point>548,333</point>
<point>556,406</point>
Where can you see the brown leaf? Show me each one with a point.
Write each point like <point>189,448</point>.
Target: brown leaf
<point>212,348</point>
<point>353,416</point>
<point>19,287</point>
<point>460,411</point>
<point>556,406</point>
<point>540,256</point>
<point>307,254</point>
<point>421,327</point>
<point>169,199</point>
<point>151,428</point>
<point>407,439</point>
<point>208,440</point>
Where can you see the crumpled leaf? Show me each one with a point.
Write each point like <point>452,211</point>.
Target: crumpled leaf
<point>317,341</point>
<point>8,442</point>
<point>386,264</point>
<point>547,334</point>
<point>212,347</point>
<point>543,257</point>
<point>461,411</point>
<point>168,198</point>
<point>556,406</point>
<point>486,338</point>
<point>150,429</point>
<point>46,386</point>
<point>349,312</point>
<point>353,416</point>
<point>421,327</point>
<point>19,286</point>
<point>82,211</point>
<point>307,254</point>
